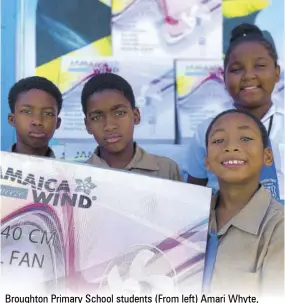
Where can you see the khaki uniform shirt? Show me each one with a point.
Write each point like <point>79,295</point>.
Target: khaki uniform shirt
<point>50,153</point>
<point>144,164</point>
<point>250,256</point>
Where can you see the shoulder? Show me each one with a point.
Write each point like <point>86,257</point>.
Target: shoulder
<point>276,211</point>
<point>95,160</point>
<point>51,153</point>
<point>274,221</point>
<point>163,161</point>
<point>199,137</point>
<point>269,209</point>
<point>165,167</point>
<point>203,126</point>
<point>197,144</point>
<point>160,161</point>
<point>278,114</point>
<point>279,110</point>
<point>169,167</point>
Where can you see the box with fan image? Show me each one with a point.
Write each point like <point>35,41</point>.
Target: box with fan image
<point>200,93</point>
<point>74,227</point>
<point>167,28</point>
<point>153,84</point>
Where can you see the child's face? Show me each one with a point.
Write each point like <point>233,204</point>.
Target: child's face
<point>35,118</point>
<point>235,149</point>
<point>111,120</point>
<point>251,75</point>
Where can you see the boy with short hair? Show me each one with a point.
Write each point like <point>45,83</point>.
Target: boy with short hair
<point>35,103</point>
<point>108,103</point>
<point>245,251</point>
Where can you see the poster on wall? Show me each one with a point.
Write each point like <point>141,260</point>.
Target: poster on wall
<point>48,32</point>
<point>59,151</point>
<point>75,152</point>
<point>268,15</point>
<point>55,215</point>
<point>167,28</point>
<point>200,94</point>
<point>154,88</point>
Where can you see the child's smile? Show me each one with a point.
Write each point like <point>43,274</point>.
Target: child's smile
<point>233,163</point>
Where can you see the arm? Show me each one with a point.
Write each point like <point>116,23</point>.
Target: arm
<point>196,154</point>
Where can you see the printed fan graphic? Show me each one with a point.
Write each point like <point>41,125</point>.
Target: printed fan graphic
<point>84,186</point>
<point>136,272</point>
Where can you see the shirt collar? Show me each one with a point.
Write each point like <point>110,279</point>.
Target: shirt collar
<point>249,218</point>
<point>268,114</point>
<point>50,153</point>
<point>141,160</point>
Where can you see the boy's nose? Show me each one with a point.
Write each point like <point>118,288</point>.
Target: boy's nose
<point>109,125</point>
<point>37,120</point>
<point>231,149</point>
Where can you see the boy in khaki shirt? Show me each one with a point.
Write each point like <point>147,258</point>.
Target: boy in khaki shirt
<point>108,103</point>
<point>35,104</point>
<point>245,252</point>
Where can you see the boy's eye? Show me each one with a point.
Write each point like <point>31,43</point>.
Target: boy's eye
<point>26,111</point>
<point>120,112</point>
<point>51,114</point>
<point>96,118</point>
<point>246,139</point>
<point>218,141</point>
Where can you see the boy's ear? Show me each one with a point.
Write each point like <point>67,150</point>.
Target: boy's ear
<point>11,119</point>
<point>268,157</point>
<point>58,123</point>
<point>137,116</point>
